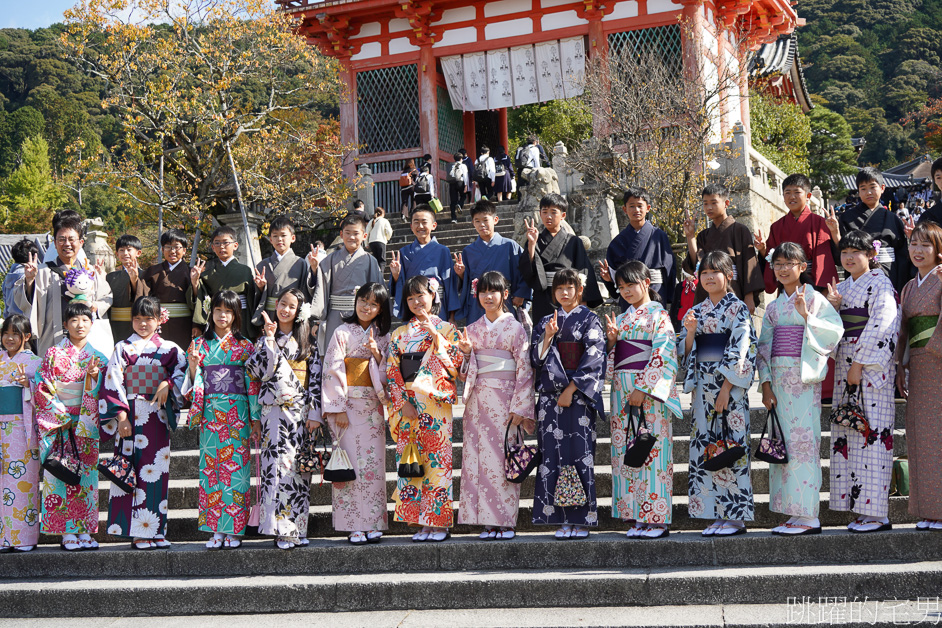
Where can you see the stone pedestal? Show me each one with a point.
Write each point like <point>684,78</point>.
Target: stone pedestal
<point>245,240</point>
<point>96,244</point>
<point>364,190</point>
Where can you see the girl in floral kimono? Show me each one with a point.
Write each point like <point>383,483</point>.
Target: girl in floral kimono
<point>354,396</point>
<point>288,367</point>
<point>423,362</point>
<point>861,465</point>
<point>641,366</point>
<point>224,408</point>
<point>717,345</point>
<point>567,352</point>
<point>800,329</point>
<point>142,392</point>
<point>498,391</point>
<point>67,411</point>
<point>19,440</point>
<point>919,353</point>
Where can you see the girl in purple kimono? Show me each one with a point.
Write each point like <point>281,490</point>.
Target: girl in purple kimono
<point>142,392</point>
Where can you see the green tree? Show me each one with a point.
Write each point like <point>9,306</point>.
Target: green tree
<point>554,121</point>
<point>830,151</point>
<point>14,129</point>
<point>30,193</point>
<point>780,131</point>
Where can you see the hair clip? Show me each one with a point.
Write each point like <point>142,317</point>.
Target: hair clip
<point>474,285</point>
<point>768,257</point>
<point>164,315</point>
<point>433,285</point>
<point>305,312</point>
<point>876,245</point>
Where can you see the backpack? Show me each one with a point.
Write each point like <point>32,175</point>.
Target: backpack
<point>520,159</point>
<point>421,185</point>
<point>499,169</point>
<point>405,179</point>
<point>480,171</point>
<point>453,176</point>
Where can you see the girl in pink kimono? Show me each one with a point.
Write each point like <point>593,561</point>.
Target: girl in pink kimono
<point>19,440</point>
<point>498,396</point>
<point>353,398</point>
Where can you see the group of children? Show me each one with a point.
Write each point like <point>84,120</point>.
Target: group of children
<point>255,376</point>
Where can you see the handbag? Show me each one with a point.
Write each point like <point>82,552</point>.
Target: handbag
<point>724,452</point>
<point>436,205</point>
<point>850,413</point>
<point>640,443</point>
<point>569,491</point>
<point>64,464</point>
<point>255,513</point>
<point>899,480</point>
<point>310,459</point>
<point>409,464</point>
<point>772,448</point>
<point>519,458</point>
<point>339,469</point>
<point>119,469</point>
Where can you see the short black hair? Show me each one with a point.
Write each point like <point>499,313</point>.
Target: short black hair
<point>635,272</point>
<point>76,309</point>
<point>281,222</point>
<point>353,219</point>
<point>224,230</point>
<point>418,284</point>
<point>22,249</point>
<point>458,157</point>
<point>868,174</point>
<point>485,207</point>
<point>61,215</point>
<point>717,261</point>
<point>423,207</point>
<point>16,324</point>
<point>485,149</point>
<point>567,277</point>
<point>358,205</point>
<point>229,300</point>
<point>380,294</point>
<point>936,166</point>
<point>636,193</point>
<point>148,307</point>
<point>797,180</point>
<point>493,281</point>
<point>74,223</point>
<point>715,189</point>
<point>128,240</point>
<point>555,200</point>
<point>173,236</point>
<point>791,251</point>
<point>463,152</point>
<point>861,241</point>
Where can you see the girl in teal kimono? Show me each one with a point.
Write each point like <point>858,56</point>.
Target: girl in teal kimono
<point>66,412</point>
<point>225,410</point>
<point>641,365</point>
<point>800,329</point>
<point>717,346</point>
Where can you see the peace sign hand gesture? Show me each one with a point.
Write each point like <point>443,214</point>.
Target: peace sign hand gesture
<point>833,225</point>
<point>552,326</point>
<point>193,357</point>
<point>690,229</point>
<point>464,341</point>
<point>31,269</point>
<point>532,235</point>
<point>312,258</point>
<point>605,271</point>
<point>611,328</point>
<point>260,280</point>
<point>268,326</point>
<point>373,346</point>
<point>459,264</point>
<point>908,225</point>
<point>20,377</point>
<point>196,271</point>
<point>834,297</point>
<point>759,242</point>
<point>395,265</point>
<point>801,306</point>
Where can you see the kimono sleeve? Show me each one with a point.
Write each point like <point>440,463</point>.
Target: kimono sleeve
<point>397,385</point>
<point>518,285</point>
<point>823,331</point>
<point>531,270</point>
<point>113,393</point>
<point>263,363</point>
<point>252,385</point>
<point>738,364</point>
<point>764,353</point>
<point>378,369</point>
<point>589,377</point>
<point>687,364</point>
<point>452,302</point>
<point>657,378</point>
<point>103,295</point>
<point>548,371</point>
<point>877,342</point>
<point>580,261</point>
<point>314,383</point>
<point>51,413</point>
<point>669,263</point>
<point>750,277</point>
<point>257,319</point>
<point>334,392</point>
<point>522,402</point>
<point>193,390</point>
<point>321,294</point>
<point>201,302</point>
<point>902,343</point>
<point>934,346</point>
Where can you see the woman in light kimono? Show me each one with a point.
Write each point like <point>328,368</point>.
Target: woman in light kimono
<point>567,352</point>
<point>641,366</point>
<point>66,407</point>
<point>717,345</point>
<point>423,362</point>
<point>498,392</point>
<point>354,396</point>
<point>142,392</point>
<point>224,408</point>
<point>861,465</point>
<point>800,329</point>
<point>288,367</point>
<point>19,440</point>
<point>919,353</point>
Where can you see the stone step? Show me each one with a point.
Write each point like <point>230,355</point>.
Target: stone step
<point>182,522</point>
<point>602,550</point>
<point>534,588</point>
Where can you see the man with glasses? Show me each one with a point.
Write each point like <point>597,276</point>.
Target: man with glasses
<point>224,273</point>
<point>169,281</point>
<point>41,292</point>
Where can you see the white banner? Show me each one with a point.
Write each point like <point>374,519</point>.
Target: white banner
<point>499,89</point>
<point>572,54</point>
<point>475,81</point>
<point>453,68</point>
<point>549,74</point>
<point>523,62</point>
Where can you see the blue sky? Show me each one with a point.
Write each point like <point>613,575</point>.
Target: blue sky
<point>32,14</point>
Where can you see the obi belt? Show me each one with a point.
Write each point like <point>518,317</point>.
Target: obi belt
<point>143,379</point>
<point>299,367</point>
<point>787,341</point>
<point>570,353</point>
<point>224,379</point>
<point>855,321</point>
<point>921,329</point>
<point>409,365</point>
<point>358,371</point>
<point>632,355</point>
<point>11,400</point>
<point>343,303</point>
<point>712,347</point>
<point>71,395</point>
<point>496,364</point>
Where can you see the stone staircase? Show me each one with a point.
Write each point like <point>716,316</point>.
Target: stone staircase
<point>454,236</point>
<point>532,571</point>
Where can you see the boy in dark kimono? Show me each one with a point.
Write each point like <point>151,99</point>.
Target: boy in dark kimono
<point>427,257</point>
<point>871,216</point>
<point>224,273</point>
<point>644,242</point>
<point>124,283</point>
<point>552,250</point>
<point>491,251</point>
<point>340,274</point>
<point>281,270</point>
<point>729,236</point>
<point>169,281</point>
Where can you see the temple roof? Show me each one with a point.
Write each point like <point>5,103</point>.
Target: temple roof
<point>781,59</point>
<point>919,167</point>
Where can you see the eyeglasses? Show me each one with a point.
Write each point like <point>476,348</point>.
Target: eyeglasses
<point>173,249</point>
<point>785,266</point>
<point>66,240</point>
<point>224,245</point>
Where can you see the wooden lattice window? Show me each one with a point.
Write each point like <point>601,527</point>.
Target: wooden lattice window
<point>388,109</point>
<point>664,41</point>
<point>450,124</point>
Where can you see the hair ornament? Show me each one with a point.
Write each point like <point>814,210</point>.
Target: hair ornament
<point>876,245</point>
<point>164,315</point>
<point>474,285</point>
<point>305,312</point>
<point>768,258</point>
<point>433,285</point>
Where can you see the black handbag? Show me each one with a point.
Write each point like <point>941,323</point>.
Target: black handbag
<point>519,458</point>
<point>850,413</point>
<point>772,448</point>
<point>119,469</point>
<point>724,452</point>
<point>63,464</point>
<point>339,468</point>
<point>310,459</point>
<point>640,443</point>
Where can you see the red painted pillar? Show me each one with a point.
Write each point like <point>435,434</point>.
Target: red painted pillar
<point>428,104</point>
<point>469,136</point>
<point>348,115</point>
<point>502,132</point>
<point>598,51</point>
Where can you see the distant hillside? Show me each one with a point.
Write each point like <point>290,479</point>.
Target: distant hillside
<point>876,62</point>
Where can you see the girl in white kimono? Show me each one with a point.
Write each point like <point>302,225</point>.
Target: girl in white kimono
<point>353,398</point>
<point>861,464</point>
<point>800,329</point>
